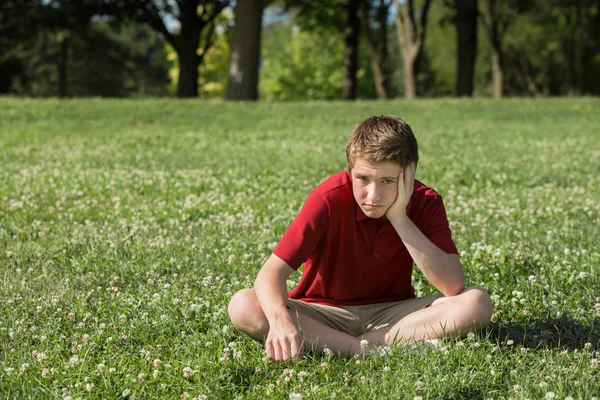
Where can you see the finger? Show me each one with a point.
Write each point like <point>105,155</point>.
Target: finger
<point>400,181</point>
<point>295,349</point>
<point>277,350</point>
<point>413,172</point>
<point>270,351</point>
<point>285,350</point>
<point>408,180</point>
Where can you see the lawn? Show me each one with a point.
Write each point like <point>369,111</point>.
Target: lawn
<point>126,226</point>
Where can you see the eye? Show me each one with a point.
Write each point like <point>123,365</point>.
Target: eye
<point>388,181</point>
<point>363,178</point>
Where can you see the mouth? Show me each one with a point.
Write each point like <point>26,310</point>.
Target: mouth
<point>373,205</point>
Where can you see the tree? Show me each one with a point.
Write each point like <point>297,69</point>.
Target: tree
<point>351,34</point>
<point>378,38</point>
<point>196,19</point>
<point>301,64</point>
<point>16,27</point>
<point>411,36</point>
<point>242,82</point>
<point>498,16</point>
<point>104,60</point>
<point>341,16</point>
<point>466,29</point>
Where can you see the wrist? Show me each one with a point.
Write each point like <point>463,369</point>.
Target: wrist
<point>399,220</point>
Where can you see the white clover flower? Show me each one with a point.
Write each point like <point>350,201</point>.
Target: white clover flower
<point>510,342</point>
<point>296,396</point>
<point>100,367</point>
<point>386,369</point>
<point>24,368</point>
<point>187,372</point>
<point>141,377</point>
<point>364,344</point>
<point>126,393</point>
<point>550,395</point>
<point>582,275</point>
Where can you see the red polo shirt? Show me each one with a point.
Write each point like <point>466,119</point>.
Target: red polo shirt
<point>351,259</point>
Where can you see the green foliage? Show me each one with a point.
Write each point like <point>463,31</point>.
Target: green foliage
<point>127,225</point>
<point>102,61</point>
<point>300,65</point>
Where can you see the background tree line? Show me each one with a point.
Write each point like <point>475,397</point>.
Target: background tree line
<point>299,49</point>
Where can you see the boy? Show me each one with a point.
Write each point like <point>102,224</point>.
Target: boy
<point>357,235</point>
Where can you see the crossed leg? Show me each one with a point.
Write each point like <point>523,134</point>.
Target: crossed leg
<point>460,314</point>
<point>247,315</point>
<point>453,315</point>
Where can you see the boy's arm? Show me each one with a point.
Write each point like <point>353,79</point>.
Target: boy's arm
<point>283,341</point>
<point>443,270</point>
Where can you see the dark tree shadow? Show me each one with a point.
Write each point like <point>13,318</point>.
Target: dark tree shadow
<point>557,333</point>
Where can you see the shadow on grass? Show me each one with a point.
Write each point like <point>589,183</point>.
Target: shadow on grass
<point>558,333</point>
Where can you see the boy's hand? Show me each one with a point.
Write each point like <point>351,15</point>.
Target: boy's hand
<point>406,185</point>
<point>283,343</point>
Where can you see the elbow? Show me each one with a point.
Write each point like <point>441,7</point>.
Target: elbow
<point>454,289</point>
<point>455,285</point>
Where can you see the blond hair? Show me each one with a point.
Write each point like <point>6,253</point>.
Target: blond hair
<point>383,138</point>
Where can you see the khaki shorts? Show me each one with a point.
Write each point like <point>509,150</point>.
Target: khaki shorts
<point>357,320</point>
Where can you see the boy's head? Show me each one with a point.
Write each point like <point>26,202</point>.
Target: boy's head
<point>379,139</point>
<point>378,150</point>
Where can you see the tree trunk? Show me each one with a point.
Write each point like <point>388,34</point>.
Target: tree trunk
<point>242,83</point>
<point>380,70</point>
<point>466,27</point>
<point>62,66</point>
<point>497,74</point>
<point>187,48</point>
<point>379,50</point>
<point>410,39</point>
<point>410,82</point>
<point>351,32</point>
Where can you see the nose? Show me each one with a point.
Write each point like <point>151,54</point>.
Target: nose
<point>373,195</point>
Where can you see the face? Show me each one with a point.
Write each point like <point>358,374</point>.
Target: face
<point>375,186</point>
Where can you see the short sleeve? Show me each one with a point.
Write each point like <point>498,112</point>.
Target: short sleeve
<point>435,227</point>
<point>304,233</point>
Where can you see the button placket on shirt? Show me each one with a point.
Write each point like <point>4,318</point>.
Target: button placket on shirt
<point>378,238</point>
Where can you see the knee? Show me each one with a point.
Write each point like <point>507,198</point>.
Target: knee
<point>238,306</point>
<point>246,314</point>
<point>479,304</point>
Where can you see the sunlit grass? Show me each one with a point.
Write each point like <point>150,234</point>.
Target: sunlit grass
<point>126,226</point>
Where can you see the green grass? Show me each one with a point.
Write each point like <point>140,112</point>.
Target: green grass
<point>125,227</point>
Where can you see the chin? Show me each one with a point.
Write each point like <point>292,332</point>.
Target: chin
<point>374,214</point>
